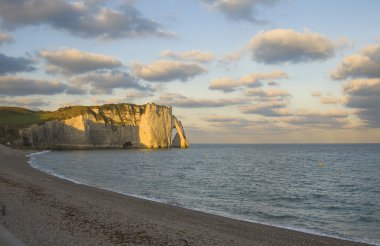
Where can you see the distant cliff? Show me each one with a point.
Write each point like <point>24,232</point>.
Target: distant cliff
<point>106,126</point>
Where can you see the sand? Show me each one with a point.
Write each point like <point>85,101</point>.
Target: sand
<point>45,210</point>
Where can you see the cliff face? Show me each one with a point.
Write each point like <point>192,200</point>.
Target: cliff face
<point>108,126</point>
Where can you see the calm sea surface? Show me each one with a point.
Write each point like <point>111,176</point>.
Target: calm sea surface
<point>331,190</point>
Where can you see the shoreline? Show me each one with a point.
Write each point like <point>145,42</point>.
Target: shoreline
<point>225,215</point>
<point>44,209</point>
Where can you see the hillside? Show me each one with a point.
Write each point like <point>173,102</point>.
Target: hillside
<point>19,117</point>
<point>105,126</point>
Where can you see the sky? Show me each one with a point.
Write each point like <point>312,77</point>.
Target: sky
<point>234,71</point>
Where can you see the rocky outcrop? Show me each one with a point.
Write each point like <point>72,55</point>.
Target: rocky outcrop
<point>108,126</point>
<point>179,140</point>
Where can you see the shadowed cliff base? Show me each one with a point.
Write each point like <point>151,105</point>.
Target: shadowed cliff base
<point>81,127</point>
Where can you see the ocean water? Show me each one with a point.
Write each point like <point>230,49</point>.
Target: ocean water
<point>331,190</point>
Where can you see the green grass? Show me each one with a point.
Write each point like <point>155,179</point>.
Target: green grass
<point>21,117</point>
<point>14,116</point>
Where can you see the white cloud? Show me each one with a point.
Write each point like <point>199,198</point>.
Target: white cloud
<point>73,61</point>
<point>136,95</point>
<point>321,119</point>
<point>327,98</point>
<point>192,55</point>
<point>364,95</point>
<point>80,18</point>
<point>249,80</point>
<point>331,100</point>
<point>166,71</point>
<point>239,9</point>
<point>270,94</point>
<point>273,83</point>
<point>178,100</point>
<point>269,109</point>
<point>233,56</point>
<point>316,93</point>
<point>230,122</point>
<point>18,86</point>
<point>252,78</point>
<point>286,45</point>
<point>333,113</point>
<point>364,64</point>
<point>363,87</point>
<point>225,84</point>
<point>106,82</point>
<point>9,64</point>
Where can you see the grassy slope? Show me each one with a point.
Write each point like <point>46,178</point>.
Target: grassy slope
<point>14,116</point>
<point>21,117</point>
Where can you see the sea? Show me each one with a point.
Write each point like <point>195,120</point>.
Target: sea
<point>324,189</point>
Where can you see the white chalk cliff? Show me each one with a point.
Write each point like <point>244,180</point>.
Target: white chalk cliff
<point>109,126</point>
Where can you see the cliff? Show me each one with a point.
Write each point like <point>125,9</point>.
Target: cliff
<point>106,126</point>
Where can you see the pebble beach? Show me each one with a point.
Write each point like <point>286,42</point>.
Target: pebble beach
<point>45,210</point>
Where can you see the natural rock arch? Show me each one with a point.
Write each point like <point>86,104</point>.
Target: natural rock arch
<point>179,140</point>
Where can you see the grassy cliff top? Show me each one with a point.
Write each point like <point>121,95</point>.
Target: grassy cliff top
<point>20,117</point>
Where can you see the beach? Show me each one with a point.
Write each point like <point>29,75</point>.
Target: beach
<point>45,210</point>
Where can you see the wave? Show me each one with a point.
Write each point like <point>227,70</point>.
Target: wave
<point>32,155</point>
<point>312,202</point>
<point>213,212</point>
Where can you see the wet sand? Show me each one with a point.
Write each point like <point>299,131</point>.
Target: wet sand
<point>44,210</point>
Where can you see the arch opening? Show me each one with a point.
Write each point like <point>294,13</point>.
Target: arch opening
<point>174,133</point>
<point>127,145</point>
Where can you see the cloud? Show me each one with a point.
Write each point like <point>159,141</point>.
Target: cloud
<point>233,56</point>
<point>135,95</point>
<point>72,61</point>
<point>5,38</point>
<point>326,119</point>
<point>9,64</point>
<point>316,93</point>
<point>331,100</point>
<point>334,113</point>
<point>273,83</point>
<point>252,78</point>
<point>269,109</point>
<point>106,82</point>
<point>192,55</point>
<point>286,45</point>
<point>270,102</point>
<point>364,95</point>
<point>327,99</point>
<point>229,122</point>
<point>363,87</point>
<point>226,84</point>
<point>239,9</point>
<point>178,100</point>
<point>17,86</point>
<point>23,102</point>
<point>75,90</point>
<point>269,94</point>
<point>298,117</point>
<point>364,64</point>
<point>249,80</point>
<point>80,18</point>
<point>165,71</point>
